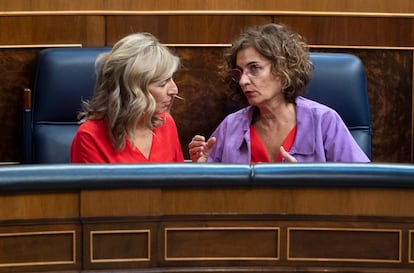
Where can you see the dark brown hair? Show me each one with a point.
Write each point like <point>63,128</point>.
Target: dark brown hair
<point>284,48</point>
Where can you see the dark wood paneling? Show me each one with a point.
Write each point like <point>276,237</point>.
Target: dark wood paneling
<point>30,249</point>
<point>352,31</point>
<point>183,29</point>
<point>216,229</point>
<point>390,87</point>
<point>222,243</point>
<point>123,243</point>
<point>39,244</point>
<point>49,30</point>
<point>95,31</point>
<point>144,202</point>
<point>90,30</point>
<point>131,245</point>
<point>385,6</point>
<point>205,95</point>
<point>16,70</point>
<point>352,245</point>
<point>222,227</point>
<point>34,206</point>
<point>192,201</point>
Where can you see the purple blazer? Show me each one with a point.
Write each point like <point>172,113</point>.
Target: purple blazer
<point>321,136</point>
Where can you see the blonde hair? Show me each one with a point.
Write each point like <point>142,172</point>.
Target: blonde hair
<point>121,93</point>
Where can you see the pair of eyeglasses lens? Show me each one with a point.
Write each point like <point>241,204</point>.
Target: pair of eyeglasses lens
<point>236,74</point>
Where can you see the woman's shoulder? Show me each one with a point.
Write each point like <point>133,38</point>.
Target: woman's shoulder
<point>92,126</point>
<point>307,109</point>
<point>309,103</point>
<point>241,114</point>
<point>305,104</point>
<point>236,122</point>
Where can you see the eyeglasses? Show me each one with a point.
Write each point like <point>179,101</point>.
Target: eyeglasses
<point>252,70</point>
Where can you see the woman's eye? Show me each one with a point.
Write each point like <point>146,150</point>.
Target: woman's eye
<point>254,68</point>
<point>163,83</point>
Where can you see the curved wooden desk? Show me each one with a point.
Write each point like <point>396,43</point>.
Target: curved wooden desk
<point>207,218</point>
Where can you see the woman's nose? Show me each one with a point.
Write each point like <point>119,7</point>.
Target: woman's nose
<point>172,88</point>
<point>244,78</point>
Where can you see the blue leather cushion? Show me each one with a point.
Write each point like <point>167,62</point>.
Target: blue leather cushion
<point>62,78</point>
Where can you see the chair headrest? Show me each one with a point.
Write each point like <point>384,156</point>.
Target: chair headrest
<point>63,78</point>
<point>339,81</point>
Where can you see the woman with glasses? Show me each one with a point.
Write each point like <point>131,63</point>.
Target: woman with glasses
<point>270,67</point>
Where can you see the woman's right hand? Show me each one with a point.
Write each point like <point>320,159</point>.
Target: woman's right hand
<point>199,149</point>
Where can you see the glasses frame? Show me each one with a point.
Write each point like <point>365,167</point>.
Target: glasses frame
<point>252,70</point>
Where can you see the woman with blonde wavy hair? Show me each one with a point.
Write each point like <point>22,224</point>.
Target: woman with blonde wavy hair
<point>127,120</point>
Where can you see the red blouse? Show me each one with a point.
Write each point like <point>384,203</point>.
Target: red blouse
<point>258,151</point>
<point>92,145</point>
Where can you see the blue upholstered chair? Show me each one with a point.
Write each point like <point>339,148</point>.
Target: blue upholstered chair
<point>339,81</point>
<point>63,77</point>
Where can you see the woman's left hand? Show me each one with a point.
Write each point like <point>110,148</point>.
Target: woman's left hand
<point>286,156</point>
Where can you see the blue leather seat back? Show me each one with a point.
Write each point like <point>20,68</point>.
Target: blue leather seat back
<point>339,81</point>
<point>63,78</point>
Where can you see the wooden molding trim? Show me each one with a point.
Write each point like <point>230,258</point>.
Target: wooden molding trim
<point>363,47</point>
<point>26,244</point>
<point>39,46</point>
<point>346,235</point>
<point>93,234</point>
<point>206,12</point>
<point>198,45</point>
<point>190,233</point>
<point>209,45</point>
